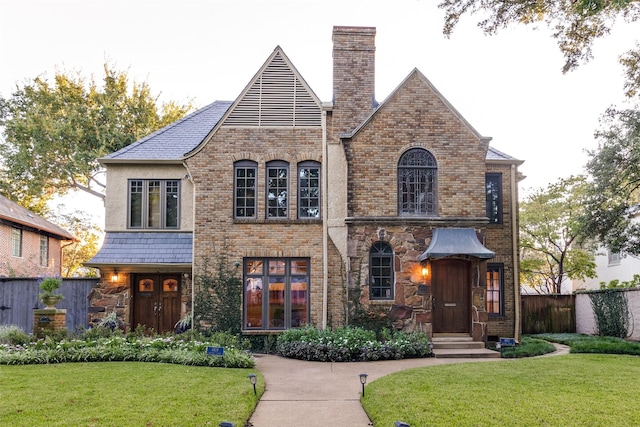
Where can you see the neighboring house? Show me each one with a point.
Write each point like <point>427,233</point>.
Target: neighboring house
<point>403,199</point>
<point>609,266</point>
<point>30,246</point>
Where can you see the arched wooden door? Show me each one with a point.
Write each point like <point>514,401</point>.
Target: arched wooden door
<point>451,296</point>
<point>156,301</point>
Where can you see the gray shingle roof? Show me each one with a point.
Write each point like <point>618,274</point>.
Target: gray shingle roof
<point>13,212</point>
<point>493,154</point>
<point>173,141</point>
<point>144,248</point>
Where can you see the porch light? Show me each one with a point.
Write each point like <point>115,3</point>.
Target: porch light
<point>253,379</point>
<point>425,270</point>
<point>114,276</point>
<point>363,381</point>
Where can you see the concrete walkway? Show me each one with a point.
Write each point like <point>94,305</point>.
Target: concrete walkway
<point>322,394</point>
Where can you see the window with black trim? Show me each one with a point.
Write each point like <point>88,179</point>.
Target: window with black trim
<point>154,203</point>
<point>44,251</point>
<point>493,184</point>
<point>244,186</point>
<point>277,189</point>
<point>495,289</point>
<point>417,182</point>
<point>381,275</point>
<point>16,242</point>
<point>309,190</point>
<point>276,293</point>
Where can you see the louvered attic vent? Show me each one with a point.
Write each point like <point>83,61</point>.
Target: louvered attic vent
<point>277,98</point>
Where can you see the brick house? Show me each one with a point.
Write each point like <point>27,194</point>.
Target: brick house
<point>30,246</point>
<point>402,200</point>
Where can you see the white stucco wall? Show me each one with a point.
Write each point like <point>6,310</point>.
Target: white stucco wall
<point>607,271</point>
<point>116,200</point>
<point>585,320</point>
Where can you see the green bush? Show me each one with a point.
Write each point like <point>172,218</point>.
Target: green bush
<point>13,335</point>
<point>580,343</point>
<point>349,344</point>
<point>528,347</point>
<point>118,347</point>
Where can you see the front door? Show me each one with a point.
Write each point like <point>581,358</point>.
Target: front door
<point>156,303</point>
<point>451,290</point>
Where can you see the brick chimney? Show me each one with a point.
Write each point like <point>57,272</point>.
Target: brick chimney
<point>353,76</point>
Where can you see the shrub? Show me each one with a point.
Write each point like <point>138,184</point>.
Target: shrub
<point>611,311</point>
<point>350,344</point>
<point>13,335</point>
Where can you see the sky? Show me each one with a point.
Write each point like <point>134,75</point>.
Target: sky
<point>508,86</point>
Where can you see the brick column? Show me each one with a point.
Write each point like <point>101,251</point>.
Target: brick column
<point>48,320</point>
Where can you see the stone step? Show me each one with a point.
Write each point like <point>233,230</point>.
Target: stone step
<point>458,344</point>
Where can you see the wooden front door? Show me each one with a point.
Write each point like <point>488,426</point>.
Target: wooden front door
<point>451,290</point>
<point>156,301</point>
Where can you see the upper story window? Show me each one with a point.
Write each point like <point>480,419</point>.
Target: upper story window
<point>44,251</point>
<point>277,189</point>
<point>613,258</point>
<point>381,277</point>
<point>154,203</point>
<point>493,183</point>
<point>244,186</point>
<point>417,182</point>
<point>309,190</point>
<point>16,242</point>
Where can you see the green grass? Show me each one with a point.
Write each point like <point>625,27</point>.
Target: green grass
<point>572,390</point>
<point>125,394</point>
<point>580,343</point>
<point>528,347</point>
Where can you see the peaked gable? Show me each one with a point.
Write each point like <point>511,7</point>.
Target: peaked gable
<point>277,96</point>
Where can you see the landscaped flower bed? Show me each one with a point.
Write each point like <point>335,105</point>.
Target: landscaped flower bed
<point>351,344</point>
<point>16,350</point>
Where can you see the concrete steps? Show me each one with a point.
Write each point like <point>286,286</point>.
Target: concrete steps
<point>460,347</point>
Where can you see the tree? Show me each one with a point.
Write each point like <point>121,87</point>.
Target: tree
<point>575,25</point>
<point>551,243</point>
<point>54,132</point>
<point>614,195</point>
<point>76,253</point>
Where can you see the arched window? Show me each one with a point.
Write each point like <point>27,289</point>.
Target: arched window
<point>309,189</point>
<point>417,182</point>
<point>381,271</point>
<point>244,188</point>
<point>277,189</point>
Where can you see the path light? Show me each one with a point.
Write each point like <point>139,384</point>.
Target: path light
<point>228,424</point>
<point>252,379</point>
<point>402,424</point>
<point>363,381</point>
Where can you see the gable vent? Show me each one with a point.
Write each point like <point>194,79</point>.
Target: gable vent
<point>276,98</point>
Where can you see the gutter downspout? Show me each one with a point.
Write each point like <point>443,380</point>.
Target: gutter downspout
<point>193,240</point>
<point>325,225</point>
<point>514,243</point>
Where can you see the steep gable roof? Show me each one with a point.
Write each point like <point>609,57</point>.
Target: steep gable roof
<point>276,96</point>
<point>173,141</point>
<point>16,214</point>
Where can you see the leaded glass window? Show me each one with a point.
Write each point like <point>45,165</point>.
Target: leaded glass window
<point>277,190</point>
<point>244,201</point>
<point>381,276</point>
<point>309,190</point>
<point>417,179</point>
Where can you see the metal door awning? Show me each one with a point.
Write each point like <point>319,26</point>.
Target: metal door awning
<point>455,241</point>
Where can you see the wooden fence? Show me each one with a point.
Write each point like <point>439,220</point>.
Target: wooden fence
<point>19,297</point>
<point>548,314</point>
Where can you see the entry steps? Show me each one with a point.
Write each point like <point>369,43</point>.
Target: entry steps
<point>461,347</point>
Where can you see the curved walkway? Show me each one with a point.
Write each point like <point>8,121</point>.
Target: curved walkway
<point>321,394</point>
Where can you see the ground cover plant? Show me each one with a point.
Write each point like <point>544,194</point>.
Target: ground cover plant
<point>528,347</point>
<point>125,393</point>
<point>571,390</point>
<point>581,343</point>
<point>102,345</point>
<point>350,344</point>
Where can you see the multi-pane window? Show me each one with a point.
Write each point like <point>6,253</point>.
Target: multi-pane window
<point>16,242</point>
<point>495,289</point>
<point>277,189</point>
<point>613,258</point>
<point>309,190</point>
<point>276,293</point>
<point>381,275</point>
<point>44,251</point>
<point>244,201</point>
<point>417,179</point>
<point>154,203</point>
<point>493,183</point>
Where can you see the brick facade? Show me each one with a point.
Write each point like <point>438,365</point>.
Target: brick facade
<point>28,265</point>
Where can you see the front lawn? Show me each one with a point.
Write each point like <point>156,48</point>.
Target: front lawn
<point>572,390</point>
<point>125,393</point>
